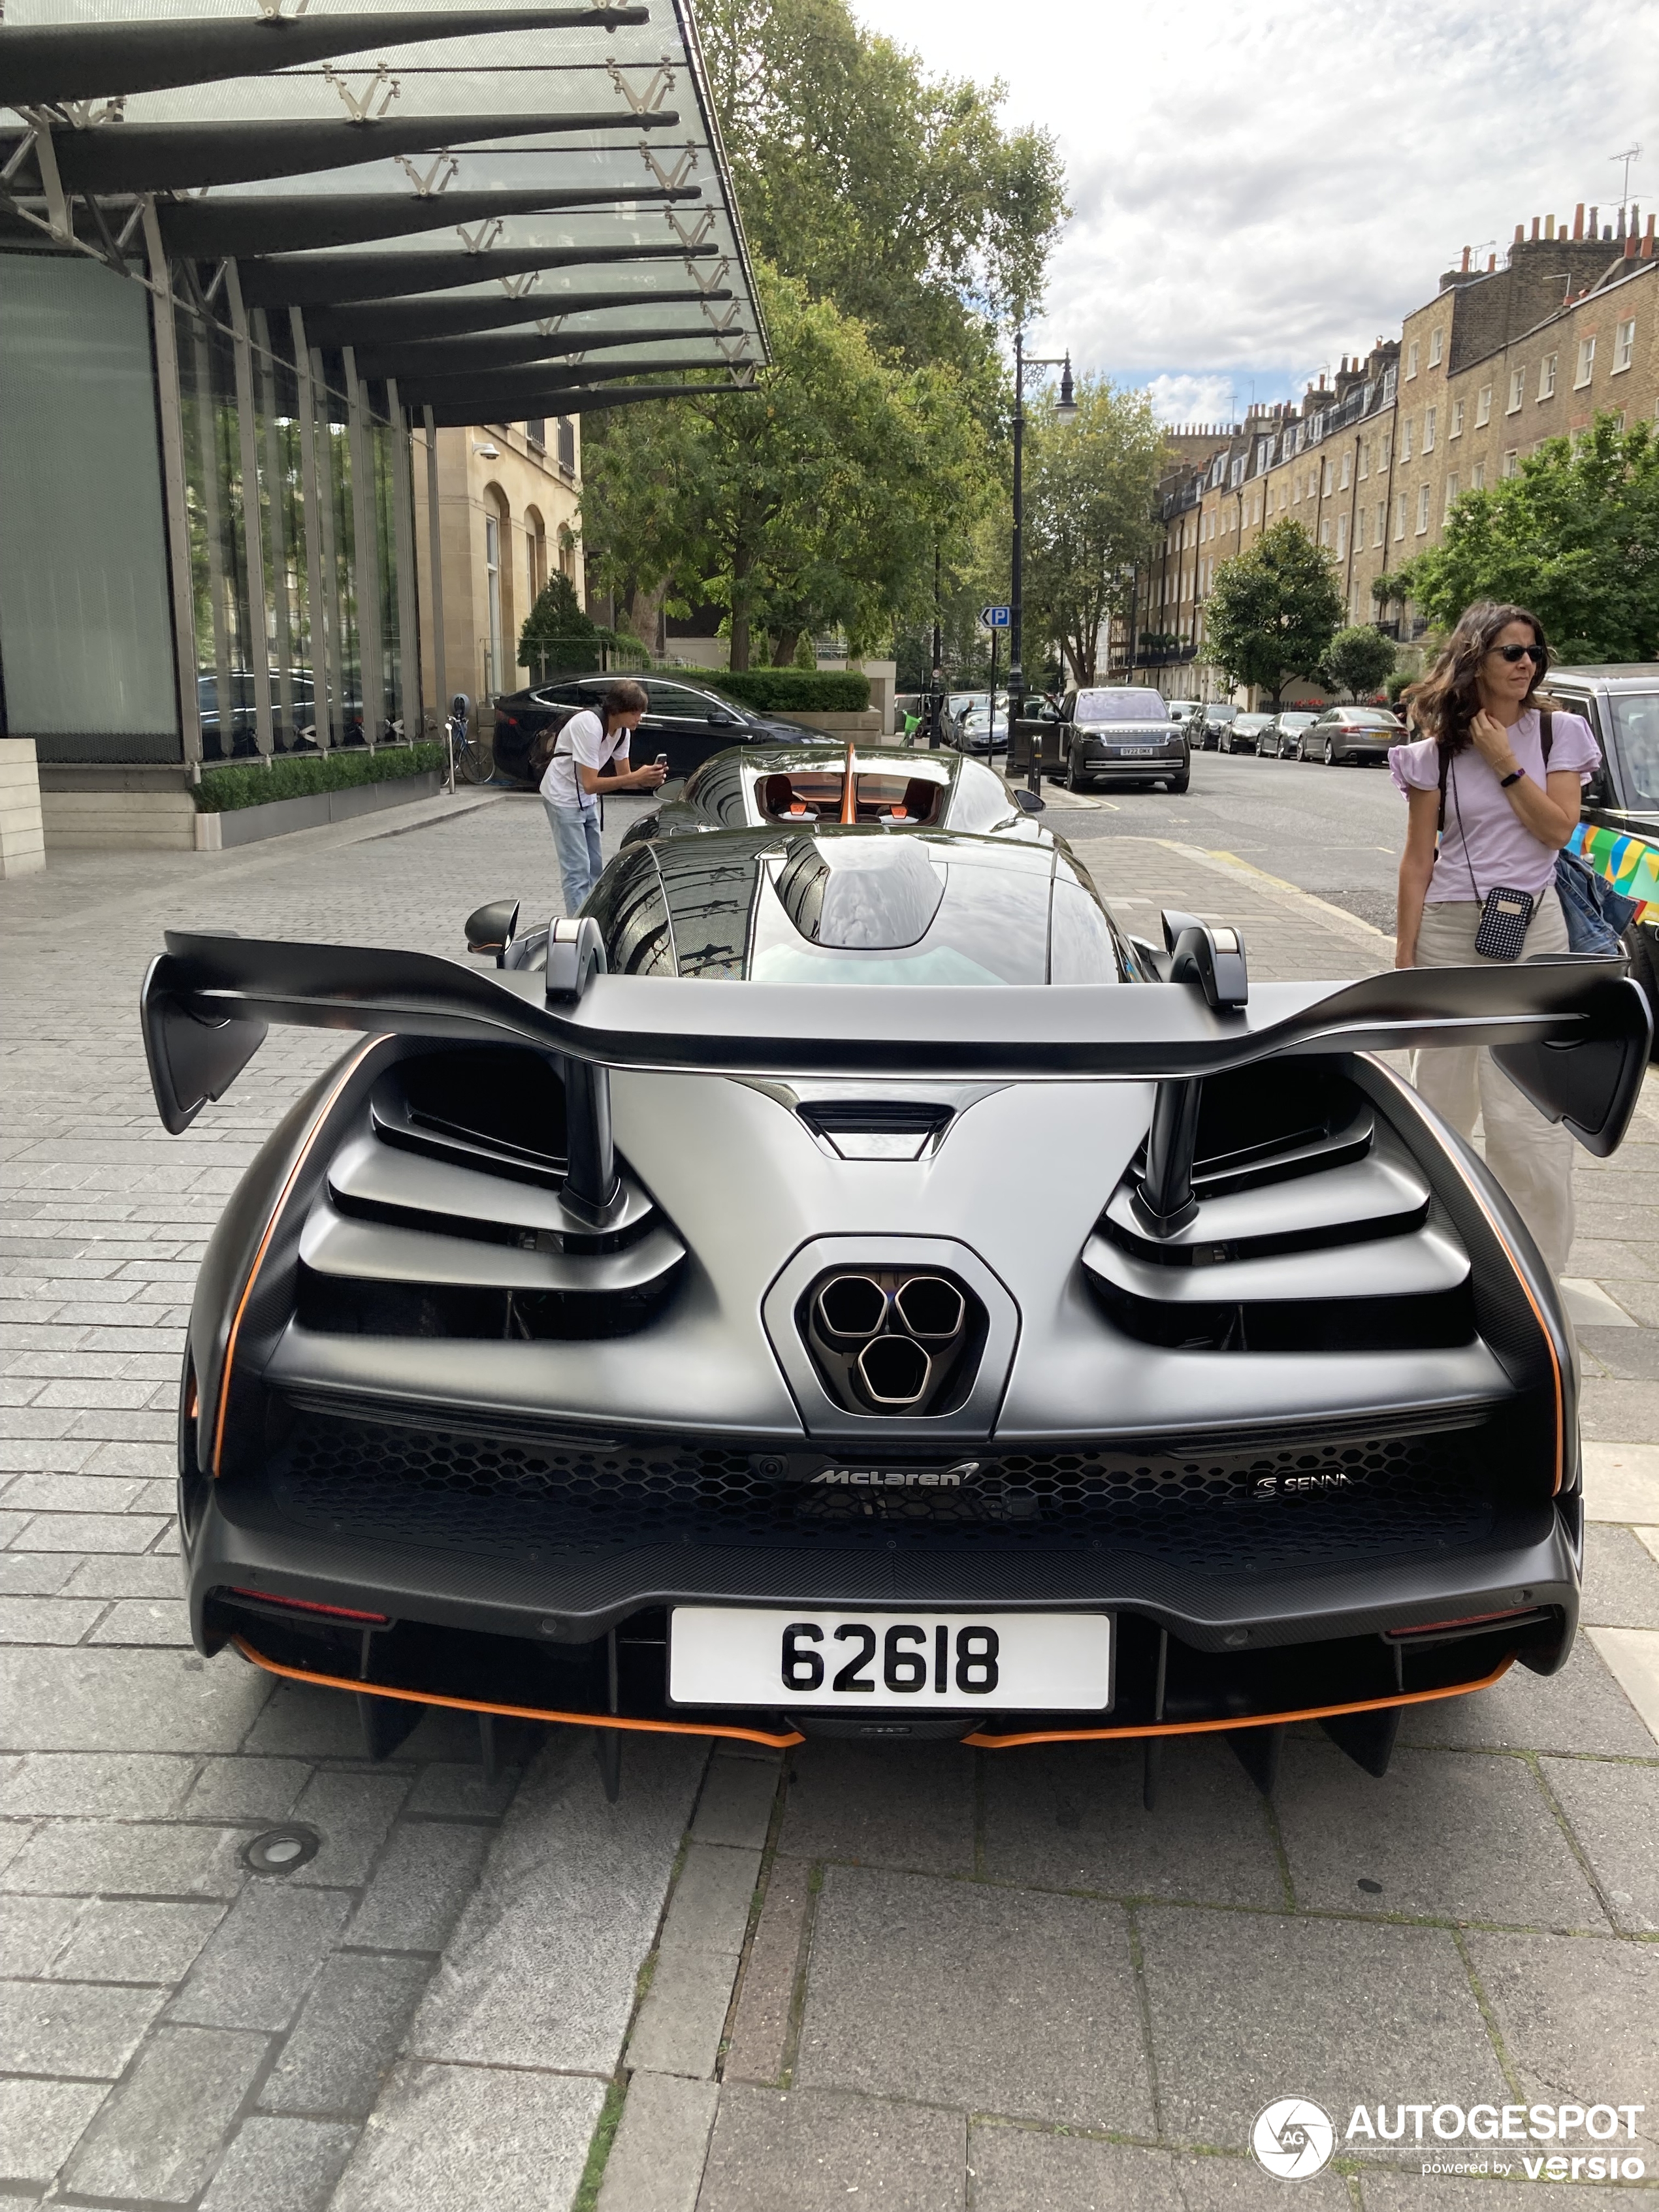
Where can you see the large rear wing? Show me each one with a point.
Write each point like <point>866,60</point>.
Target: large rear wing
<point>1573,1032</point>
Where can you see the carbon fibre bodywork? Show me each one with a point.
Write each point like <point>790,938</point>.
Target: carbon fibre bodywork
<point>570,1298</point>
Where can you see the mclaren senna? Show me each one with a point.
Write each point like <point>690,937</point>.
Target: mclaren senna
<point>1042,1334</point>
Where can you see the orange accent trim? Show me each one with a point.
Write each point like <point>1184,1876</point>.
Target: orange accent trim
<point>514,1712</point>
<point>1497,1228</point>
<point>264,1244</point>
<point>1255,1720</point>
<point>849,790</point>
<point>193,1400</point>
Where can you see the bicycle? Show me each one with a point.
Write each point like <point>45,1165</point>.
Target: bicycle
<point>468,760</point>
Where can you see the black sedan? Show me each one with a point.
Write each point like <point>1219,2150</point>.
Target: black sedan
<point>684,723</point>
<point>1279,741</point>
<point>1351,733</point>
<point>1244,733</point>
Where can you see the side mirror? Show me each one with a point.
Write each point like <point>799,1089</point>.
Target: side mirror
<point>492,928</point>
<point>1211,956</point>
<point>721,719</point>
<point>1028,802</point>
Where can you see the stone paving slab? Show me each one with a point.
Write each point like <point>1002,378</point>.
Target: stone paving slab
<point>966,1969</point>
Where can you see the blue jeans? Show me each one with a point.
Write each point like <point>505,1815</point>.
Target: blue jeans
<point>576,841</point>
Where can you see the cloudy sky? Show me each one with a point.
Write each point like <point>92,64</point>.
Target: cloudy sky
<point>1258,191</point>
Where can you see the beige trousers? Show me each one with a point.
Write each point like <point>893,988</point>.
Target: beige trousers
<point>1531,1158</point>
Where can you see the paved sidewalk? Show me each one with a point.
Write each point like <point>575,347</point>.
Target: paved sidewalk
<point>927,1978</point>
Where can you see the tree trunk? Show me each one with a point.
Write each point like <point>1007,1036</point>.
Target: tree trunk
<point>742,563</point>
<point>783,653</point>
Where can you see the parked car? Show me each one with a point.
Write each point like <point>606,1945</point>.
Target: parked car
<point>1620,702</point>
<point>1243,733</point>
<point>1284,732</point>
<point>749,788</point>
<point>685,721</point>
<point>1216,716</point>
<point>983,730</point>
<point>605,1349</point>
<point>1121,734</point>
<point>1358,734</point>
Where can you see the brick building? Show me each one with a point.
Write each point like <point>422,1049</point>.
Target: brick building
<point>1372,463</point>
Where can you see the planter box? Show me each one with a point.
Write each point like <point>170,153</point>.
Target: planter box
<point>865,725</point>
<point>247,825</point>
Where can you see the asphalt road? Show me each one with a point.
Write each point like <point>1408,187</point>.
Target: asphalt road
<point>1333,831</point>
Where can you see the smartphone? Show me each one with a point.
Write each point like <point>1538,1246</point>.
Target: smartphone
<point>662,760</point>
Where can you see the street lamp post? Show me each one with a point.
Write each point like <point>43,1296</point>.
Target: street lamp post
<point>1067,406</point>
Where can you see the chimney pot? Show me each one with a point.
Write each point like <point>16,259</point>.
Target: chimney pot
<point>1630,247</point>
<point>1578,221</point>
<point>1491,263</point>
<point>1535,225</point>
<point>1549,226</point>
<point>1596,222</point>
<point>1620,231</point>
<point>1520,232</point>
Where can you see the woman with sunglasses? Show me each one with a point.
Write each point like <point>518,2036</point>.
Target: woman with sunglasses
<point>1488,815</point>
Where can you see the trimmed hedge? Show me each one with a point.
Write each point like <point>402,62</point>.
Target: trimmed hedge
<point>298,775</point>
<point>795,690</point>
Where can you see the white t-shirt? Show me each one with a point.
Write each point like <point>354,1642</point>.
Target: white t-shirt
<point>582,740</point>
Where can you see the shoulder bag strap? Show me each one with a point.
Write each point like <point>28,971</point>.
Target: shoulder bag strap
<point>1445,763</point>
<point>1546,734</point>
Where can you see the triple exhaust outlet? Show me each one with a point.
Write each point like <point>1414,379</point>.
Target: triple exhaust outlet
<point>889,1343</point>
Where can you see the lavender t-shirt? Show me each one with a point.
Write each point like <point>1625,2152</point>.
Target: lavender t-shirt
<point>1485,842</point>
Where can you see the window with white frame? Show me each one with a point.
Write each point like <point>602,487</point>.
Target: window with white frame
<point>1387,448</point>
<point>1483,408</point>
<point>1517,390</point>
<point>1326,486</point>
<point>1586,363</point>
<point>1547,376</point>
<point>1411,358</point>
<point>1451,495</point>
<point>1365,461</point>
<point>1341,537</point>
<point>1346,478</point>
<point>1511,463</point>
<point>1456,429</point>
<point>1624,346</point>
<point>1422,509</point>
<point>1429,416</point>
<point>1381,521</point>
<point>1478,476</point>
<point>1406,439</point>
<point>1437,345</point>
<point>1400,514</point>
<point>1325,531</point>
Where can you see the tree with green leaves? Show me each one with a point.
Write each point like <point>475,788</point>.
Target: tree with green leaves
<point>1088,514</point>
<point>1574,535</point>
<point>1273,610</point>
<point>900,196</point>
<point>558,632</point>
<point>1360,659</point>
<point>812,503</point>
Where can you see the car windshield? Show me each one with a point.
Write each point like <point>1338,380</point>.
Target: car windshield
<point>1121,704</point>
<point>1635,727</point>
<point>894,915</point>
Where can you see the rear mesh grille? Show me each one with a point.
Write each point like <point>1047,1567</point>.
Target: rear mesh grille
<point>1278,1508</point>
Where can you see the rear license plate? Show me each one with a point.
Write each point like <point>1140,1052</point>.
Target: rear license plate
<point>886,1662</point>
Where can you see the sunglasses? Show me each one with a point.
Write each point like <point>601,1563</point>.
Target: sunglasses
<point>1514,652</point>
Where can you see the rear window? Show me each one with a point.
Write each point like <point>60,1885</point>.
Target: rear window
<point>1376,719</point>
<point>1120,703</point>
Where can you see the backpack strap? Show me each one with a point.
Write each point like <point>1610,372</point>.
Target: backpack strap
<point>1546,733</point>
<point>1445,763</point>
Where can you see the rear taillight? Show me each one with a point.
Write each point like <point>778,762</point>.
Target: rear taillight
<point>310,1605</point>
